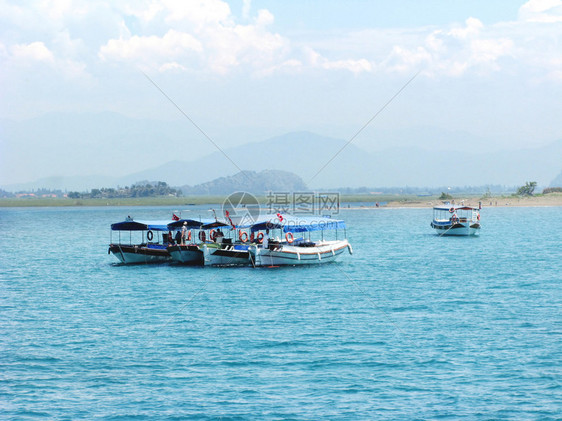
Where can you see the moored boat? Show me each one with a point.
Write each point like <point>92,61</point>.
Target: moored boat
<point>149,249</point>
<point>224,250</point>
<point>187,251</point>
<point>297,251</point>
<point>207,244</point>
<point>456,220</point>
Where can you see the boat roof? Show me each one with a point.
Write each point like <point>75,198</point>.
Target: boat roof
<point>141,225</point>
<point>292,223</point>
<point>288,223</point>
<point>215,224</point>
<point>204,223</point>
<point>454,207</point>
<point>166,225</point>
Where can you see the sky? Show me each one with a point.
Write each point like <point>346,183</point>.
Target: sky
<point>245,70</point>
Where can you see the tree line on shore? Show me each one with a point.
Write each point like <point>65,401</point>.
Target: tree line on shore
<point>161,188</point>
<point>137,190</point>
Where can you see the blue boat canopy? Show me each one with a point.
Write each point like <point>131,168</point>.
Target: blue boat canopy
<point>191,223</point>
<point>130,225</point>
<point>215,224</point>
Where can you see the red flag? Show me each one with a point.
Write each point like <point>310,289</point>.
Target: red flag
<point>280,217</point>
<point>228,217</point>
<point>175,217</point>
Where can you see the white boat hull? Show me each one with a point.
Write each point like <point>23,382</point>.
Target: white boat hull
<point>323,252</point>
<point>460,229</point>
<point>227,255</point>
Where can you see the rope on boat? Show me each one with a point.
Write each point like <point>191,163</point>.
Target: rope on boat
<point>441,235</point>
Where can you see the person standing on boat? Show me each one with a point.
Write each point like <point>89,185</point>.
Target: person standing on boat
<point>266,239</point>
<point>184,232</point>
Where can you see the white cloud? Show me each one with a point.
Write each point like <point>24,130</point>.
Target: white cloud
<point>204,37</point>
<point>546,11</point>
<point>171,66</point>
<point>197,13</point>
<point>79,38</point>
<point>146,49</point>
<point>472,28</point>
<point>315,60</point>
<point>452,52</point>
<point>31,55</point>
<point>489,50</point>
<point>36,51</point>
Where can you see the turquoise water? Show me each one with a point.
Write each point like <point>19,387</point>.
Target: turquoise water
<point>412,326</point>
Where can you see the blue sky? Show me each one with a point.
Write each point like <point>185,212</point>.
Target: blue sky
<point>248,70</point>
<point>364,14</point>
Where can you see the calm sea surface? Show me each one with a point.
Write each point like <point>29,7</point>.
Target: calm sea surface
<point>412,326</point>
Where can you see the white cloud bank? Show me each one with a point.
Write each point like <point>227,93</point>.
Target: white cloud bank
<point>205,36</point>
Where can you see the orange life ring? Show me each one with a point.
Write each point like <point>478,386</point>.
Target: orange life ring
<point>451,210</point>
<point>243,236</point>
<point>202,236</point>
<point>289,237</point>
<point>260,237</point>
<point>212,235</point>
<point>189,235</point>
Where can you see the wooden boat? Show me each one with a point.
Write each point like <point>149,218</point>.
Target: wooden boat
<point>456,220</point>
<point>295,248</point>
<point>151,246</point>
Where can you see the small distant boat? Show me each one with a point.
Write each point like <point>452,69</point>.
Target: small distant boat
<point>456,220</point>
<point>295,248</point>
<point>149,249</point>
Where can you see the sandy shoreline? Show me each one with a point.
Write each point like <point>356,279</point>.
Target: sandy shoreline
<point>550,200</point>
<point>349,202</point>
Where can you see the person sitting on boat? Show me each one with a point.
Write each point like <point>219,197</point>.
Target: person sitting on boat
<point>219,236</point>
<point>178,237</point>
<point>454,218</point>
<point>170,238</point>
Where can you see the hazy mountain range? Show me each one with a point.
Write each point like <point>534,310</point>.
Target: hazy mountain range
<point>557,182</point>
<point>250,181</point>
<point>424,158</point>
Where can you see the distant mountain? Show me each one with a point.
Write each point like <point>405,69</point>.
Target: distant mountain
<point>557,182</point>
<point>451,158</point>
<point>325,162</point>
<point>302,153</point>
<point>250,181</point>
<point>80,183</point>
<point>90,145</point>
